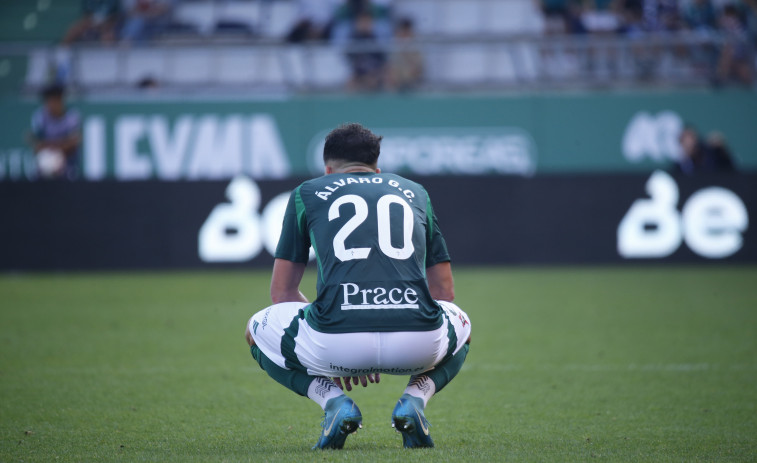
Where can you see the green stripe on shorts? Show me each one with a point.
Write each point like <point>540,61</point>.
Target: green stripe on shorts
<point>451,338</point>
<point>287,343</point>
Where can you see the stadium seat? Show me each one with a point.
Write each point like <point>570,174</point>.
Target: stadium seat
<point>97,67</point>
<point>269,67</point>
<point>463,64</point>
<point>239,13</point>
<point>200,14</point>
<point>249,66</point>
<point>38,67</point>
<point>502,68</point>
<point>277,18</point>
<point>526,56</point>
<point>232,29</point>
<point>422,12</point>
<point>236,66</point>
<point>191,65</point>
<point>294,71</point>
<point>326,67</point>
<point>511,17</point>
<point>471,17</point>
<point>460,18</point>
<point>271,19</point>
<point>145,62</point>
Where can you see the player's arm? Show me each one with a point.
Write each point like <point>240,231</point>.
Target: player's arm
<point>36,136</point>
<point>438,267</point>
<point>285,282</point>
<point>67,145</point>
<point>285,287</point>
<point>70,144</point>
<point>291,254</point>
<point>440,282</point>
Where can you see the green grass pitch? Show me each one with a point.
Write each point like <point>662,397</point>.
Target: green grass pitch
<point>567,364</point>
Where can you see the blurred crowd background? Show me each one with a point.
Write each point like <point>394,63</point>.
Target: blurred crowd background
<point>101,46</point>
<point>218,49</point>
<point>599,130</point>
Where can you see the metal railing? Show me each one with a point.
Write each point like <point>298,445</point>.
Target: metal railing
<point>459,64</point>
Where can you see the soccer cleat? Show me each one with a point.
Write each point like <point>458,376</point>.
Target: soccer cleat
<point>342,418</point>
<point>408,419</point>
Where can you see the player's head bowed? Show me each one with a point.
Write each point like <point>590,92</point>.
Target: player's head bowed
<point>351,144</point>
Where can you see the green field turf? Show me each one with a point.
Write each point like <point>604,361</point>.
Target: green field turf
<point>567,364</point>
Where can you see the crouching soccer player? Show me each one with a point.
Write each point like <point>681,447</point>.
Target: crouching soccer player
<point>385,292</point>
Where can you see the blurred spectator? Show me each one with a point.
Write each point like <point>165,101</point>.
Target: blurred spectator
<point>56,136</point>
<point>736,60</point>
<point>60,66</point>
<point>406,62</point>
<point>748,13</point>
<point>145,19</point>
<point>699,156</point>
<point>562,16</point>
<point>555,15</point>
<point>367,62</point>
<point>649,16</point>
<point>692,152</point>
<point>601,16</point>
<point>720,155</point>
<point>632,18</point>
<point>348,14</point>
<point>699,15</point>
<point>99,21</point>
<point>314,22</point>
<point>661,15</point>
<point>148,83</point>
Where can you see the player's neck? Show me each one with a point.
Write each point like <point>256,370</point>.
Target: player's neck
<point>357,169</point>
<point>353,169</point>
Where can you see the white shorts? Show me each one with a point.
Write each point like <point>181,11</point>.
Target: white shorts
<point>287,340</point>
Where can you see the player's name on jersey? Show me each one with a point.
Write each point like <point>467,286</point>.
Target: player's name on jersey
<point>324,195</point>
<point>357,298</point>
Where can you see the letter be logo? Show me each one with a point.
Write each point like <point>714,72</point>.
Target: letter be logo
<point>711,222</point>
<point>235,231</point>
<point>240,215</point>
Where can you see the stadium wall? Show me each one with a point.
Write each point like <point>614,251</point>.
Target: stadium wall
<point>521,135</point>
<point>547,219</point>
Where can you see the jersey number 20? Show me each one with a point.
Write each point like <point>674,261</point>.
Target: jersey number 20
<point>384,229</point>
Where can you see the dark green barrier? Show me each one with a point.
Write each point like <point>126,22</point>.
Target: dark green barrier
<point>424,135</point>
<point>569,219</point>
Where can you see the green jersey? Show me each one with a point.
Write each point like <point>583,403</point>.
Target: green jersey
<point>374,235</point>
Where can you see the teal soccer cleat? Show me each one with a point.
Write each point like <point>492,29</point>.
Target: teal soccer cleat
<point>342,418</point>
<point>408,418</point>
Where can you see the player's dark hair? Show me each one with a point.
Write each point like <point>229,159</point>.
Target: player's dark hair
<point>52,91</point>
<point>405,24</point>
<point>352,143</point>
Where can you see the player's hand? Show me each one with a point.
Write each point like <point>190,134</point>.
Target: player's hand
<point>364,380</point>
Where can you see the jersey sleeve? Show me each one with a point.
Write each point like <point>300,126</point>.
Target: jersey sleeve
<point>436,247</point>
<point>74,122</point>
<point>294,243</point>
<point>37,125</point>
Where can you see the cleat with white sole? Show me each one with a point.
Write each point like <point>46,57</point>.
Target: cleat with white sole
<point>409,420</point>
<point>342,419</point>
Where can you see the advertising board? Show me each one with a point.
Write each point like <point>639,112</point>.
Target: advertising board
<point>566,219</point>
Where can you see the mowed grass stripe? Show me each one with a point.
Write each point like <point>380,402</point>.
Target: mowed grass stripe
<point>566,364</point>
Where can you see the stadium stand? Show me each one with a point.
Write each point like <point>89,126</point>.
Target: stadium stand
<point>217,45</point>
<point>36,21</point>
